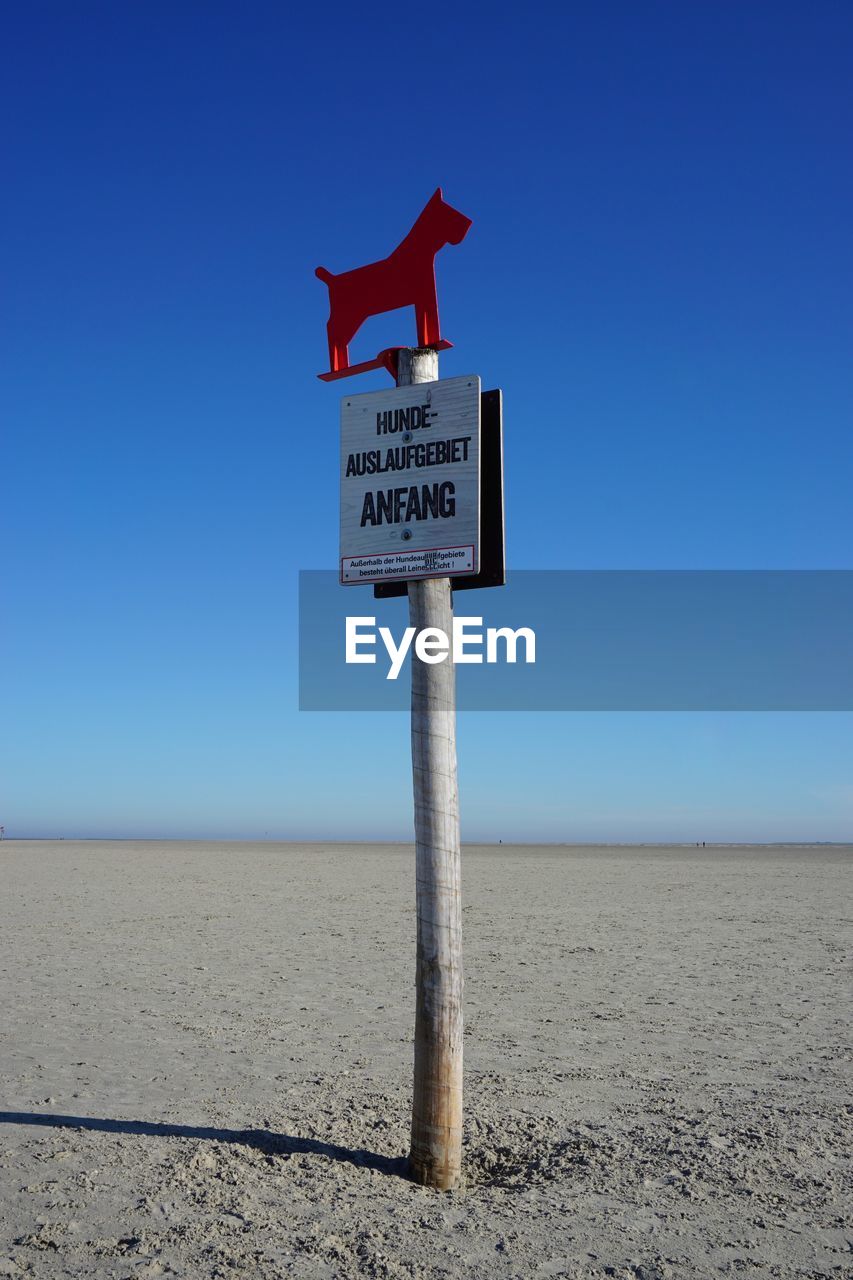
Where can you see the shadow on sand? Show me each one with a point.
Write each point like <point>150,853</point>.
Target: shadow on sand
<point>271,1144</point>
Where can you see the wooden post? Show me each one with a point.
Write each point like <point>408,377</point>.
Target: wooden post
<point>436,1152</point>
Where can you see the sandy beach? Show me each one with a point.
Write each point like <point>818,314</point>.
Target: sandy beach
<point>205,1055</point>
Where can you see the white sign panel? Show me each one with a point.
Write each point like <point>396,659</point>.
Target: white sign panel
<point>410,482</point>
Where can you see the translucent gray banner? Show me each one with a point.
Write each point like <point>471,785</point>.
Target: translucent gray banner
<point>658,640</point>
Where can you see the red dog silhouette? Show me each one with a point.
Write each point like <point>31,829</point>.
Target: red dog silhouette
<point>405,278</point>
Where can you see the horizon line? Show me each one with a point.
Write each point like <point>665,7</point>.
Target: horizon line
<point>579,844</point>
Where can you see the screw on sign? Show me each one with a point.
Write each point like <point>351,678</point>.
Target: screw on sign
<point>407,278</point>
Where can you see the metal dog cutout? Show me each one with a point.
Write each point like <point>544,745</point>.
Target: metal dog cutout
<point>405,278</point>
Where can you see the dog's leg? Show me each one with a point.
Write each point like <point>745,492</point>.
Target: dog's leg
<point>340,357</point>
<point>426,314</point>
<point>338,349</point>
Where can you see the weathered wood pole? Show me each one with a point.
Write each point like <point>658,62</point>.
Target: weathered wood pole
<point>436,1152</point>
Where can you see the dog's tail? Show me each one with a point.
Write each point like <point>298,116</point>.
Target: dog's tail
<point>322,274</point>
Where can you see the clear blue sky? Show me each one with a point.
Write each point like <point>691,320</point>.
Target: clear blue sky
<point>658,276</point>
